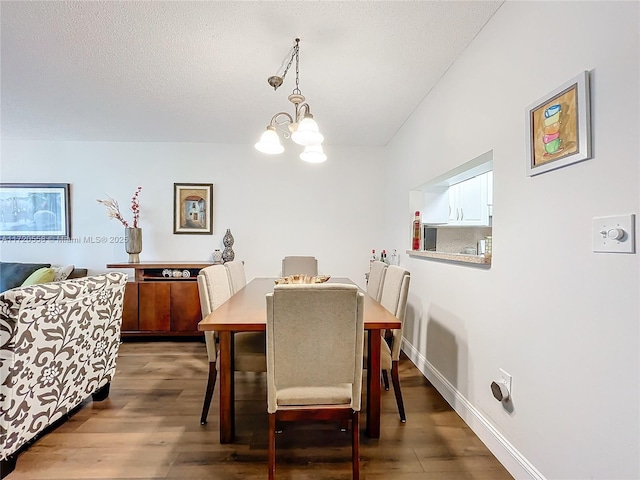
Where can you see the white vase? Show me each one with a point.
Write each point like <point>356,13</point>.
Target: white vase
<point>217,256</point>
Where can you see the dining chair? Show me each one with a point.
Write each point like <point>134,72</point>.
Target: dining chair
<point>215,288</point>
<point>237,277</point>
<point>376,279</point>
<point>315,336</point>
<point>299,265</point>
<point>393,297</point>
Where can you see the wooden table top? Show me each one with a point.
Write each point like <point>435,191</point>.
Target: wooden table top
<point>247,310</point>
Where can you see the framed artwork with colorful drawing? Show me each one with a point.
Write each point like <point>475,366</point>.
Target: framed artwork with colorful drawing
<point>559,127</point>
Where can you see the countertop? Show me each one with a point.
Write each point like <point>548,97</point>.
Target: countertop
<point>452,257</point>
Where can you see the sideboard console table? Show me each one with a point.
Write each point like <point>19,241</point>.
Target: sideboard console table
<point>162,300</point>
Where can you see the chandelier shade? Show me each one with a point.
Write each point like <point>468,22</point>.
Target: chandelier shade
<point>300,127</point>
<point>307,132</point>
<point>270,142</point>
<point>313,154</point>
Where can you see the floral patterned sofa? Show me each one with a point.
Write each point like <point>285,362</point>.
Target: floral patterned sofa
<point>58,345</point>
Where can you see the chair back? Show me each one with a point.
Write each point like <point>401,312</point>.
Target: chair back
<point>315,336</point>
<point>237,277</point>
<point>298,265</point>
<point>376,279</point>
<point>395,291</point>
<point>214,289</point>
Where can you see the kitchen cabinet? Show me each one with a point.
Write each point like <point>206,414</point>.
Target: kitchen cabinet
<point>463,196</point>
<point>469,201</point>
<point>156,304</point>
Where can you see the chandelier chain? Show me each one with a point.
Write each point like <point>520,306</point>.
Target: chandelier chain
<point>297,89</point>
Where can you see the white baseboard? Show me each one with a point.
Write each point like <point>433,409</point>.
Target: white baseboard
<point>515,463</point>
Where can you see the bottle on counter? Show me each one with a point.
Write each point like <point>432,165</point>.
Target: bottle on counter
<point>373,257</point>
<point>417,230</point>
<point>383,256</point>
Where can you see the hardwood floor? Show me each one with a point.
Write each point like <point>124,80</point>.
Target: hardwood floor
<point>149,428</point>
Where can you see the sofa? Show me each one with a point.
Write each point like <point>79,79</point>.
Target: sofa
<point>15,274</point>
<point>58,346</point>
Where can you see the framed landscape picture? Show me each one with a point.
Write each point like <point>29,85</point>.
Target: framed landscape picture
<point>34,210</point>
<point>559,127</point>
<point>193,208</point>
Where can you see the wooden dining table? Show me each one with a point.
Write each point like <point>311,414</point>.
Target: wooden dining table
<point>246,311</point>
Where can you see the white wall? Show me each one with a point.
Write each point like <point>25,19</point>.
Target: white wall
<point>558,317</point>
<point>274,206</point>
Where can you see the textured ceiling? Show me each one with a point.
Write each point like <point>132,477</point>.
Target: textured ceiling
<point>185,71</point>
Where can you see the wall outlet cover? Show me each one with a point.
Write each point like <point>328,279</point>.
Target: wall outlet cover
<point>614,234</point>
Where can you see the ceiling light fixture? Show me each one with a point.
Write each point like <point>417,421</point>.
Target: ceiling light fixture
<point>301,127</point>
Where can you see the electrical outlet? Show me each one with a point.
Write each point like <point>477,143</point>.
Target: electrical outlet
<point>507,379</point>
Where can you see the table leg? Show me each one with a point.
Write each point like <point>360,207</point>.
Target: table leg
<point>373,384</point>
<point>227,388</point>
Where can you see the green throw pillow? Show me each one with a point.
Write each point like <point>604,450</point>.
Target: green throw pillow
<point>42,275</point>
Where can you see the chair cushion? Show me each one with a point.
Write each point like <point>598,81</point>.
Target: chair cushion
<point>13,274</point>
<point>250,348</point>
<point>42,275</point>
<point>385,355</point>
<point>327,395</point>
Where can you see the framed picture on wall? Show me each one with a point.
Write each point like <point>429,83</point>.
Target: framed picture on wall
<point>193,208</point>
<point>34,210</point>
<point>559,127</point>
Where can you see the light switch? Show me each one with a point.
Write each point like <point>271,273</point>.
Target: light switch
<point>616,234</point>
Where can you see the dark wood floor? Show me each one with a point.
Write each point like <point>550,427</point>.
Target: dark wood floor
<point>149,428</point>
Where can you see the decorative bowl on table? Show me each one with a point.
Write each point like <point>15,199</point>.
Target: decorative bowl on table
<point>307,279</point>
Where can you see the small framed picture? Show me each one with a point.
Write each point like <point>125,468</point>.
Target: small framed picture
<point>559,127</point>
<point>34,210</point>
<point>193,208</point>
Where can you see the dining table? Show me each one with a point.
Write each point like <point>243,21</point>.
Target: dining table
<point>246,311</point>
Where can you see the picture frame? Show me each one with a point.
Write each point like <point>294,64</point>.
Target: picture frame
<point>193,208</point>
<point>559,127</point>
<point>34,211</point>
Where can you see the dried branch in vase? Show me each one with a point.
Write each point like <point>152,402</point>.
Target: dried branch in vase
<point>113,209</point>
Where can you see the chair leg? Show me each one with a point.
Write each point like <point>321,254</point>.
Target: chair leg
<point>385,379</point>
<point>211,385</point>
<point>396,388</point>
<point>355,445</point>
<point>272,446</point>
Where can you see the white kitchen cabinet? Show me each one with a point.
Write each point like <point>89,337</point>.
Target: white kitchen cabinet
<point>462,196</point>
<point>468,201</point>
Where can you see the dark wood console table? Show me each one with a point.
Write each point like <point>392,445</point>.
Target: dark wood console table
<point>155,304</point>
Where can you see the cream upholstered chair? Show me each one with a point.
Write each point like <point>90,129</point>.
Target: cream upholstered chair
<point>299,266</point>
<point>376,279</point>
<point>393,297</point>
<point>237,277</point>
<point>215,288</point>
<point>315,336</point>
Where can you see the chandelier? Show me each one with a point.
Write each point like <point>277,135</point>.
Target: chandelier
<point>300,127</point>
